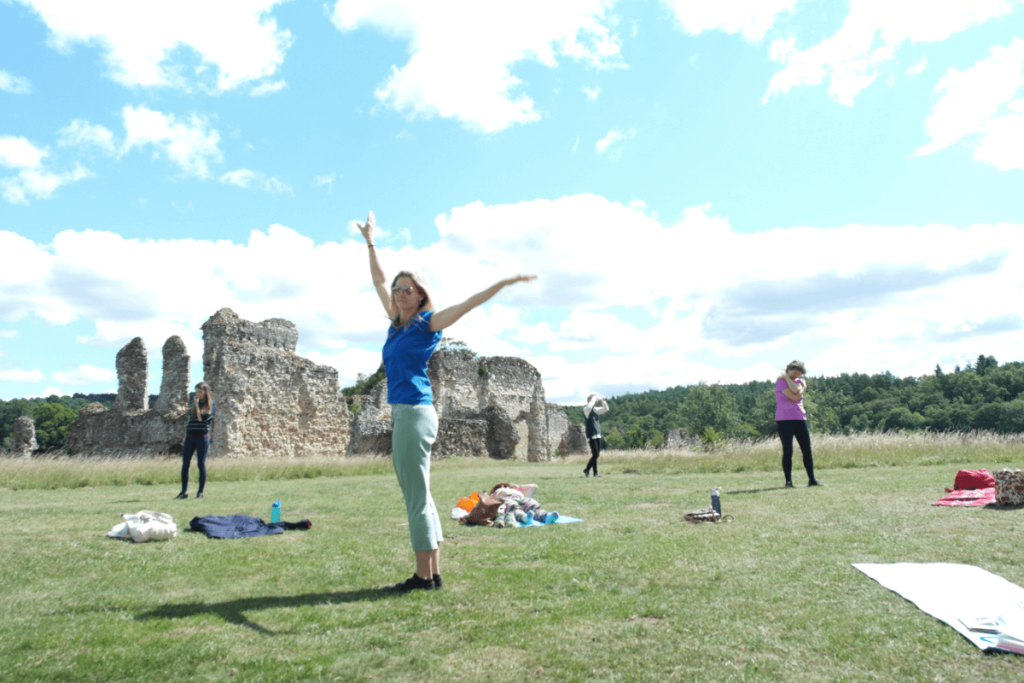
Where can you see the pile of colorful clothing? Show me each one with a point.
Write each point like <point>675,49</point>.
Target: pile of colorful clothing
<point>506,505</point>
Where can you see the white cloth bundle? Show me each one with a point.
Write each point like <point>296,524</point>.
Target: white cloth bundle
<point>145,526</point>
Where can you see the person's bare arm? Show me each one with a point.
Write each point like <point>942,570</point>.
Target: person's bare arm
<point>449,316</point>
<point>380,282</point>
<point>794,391</point>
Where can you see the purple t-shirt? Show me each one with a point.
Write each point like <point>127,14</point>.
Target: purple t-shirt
<point>786,408</point>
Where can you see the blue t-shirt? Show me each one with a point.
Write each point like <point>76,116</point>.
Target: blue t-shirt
<point>406,354</point>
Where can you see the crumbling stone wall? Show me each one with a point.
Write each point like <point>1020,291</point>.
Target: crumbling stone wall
<point>173,396</point>
<point>132,376</point>
<point>129,426</point>
<point>679,438</point>
<point>564,438</point>
<point>270,401</point>
<point>465,387</point>
<point>492,406</point>
<point>24,437</point>
<point>371,427</point>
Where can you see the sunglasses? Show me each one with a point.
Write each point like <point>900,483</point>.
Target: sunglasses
<point>407,290</point>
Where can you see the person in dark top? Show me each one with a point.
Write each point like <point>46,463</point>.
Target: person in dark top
<point>197,437</point>
<point>413,334</point>
<point>591,411</point>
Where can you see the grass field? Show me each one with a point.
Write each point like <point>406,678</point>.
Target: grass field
<point>631,594</point>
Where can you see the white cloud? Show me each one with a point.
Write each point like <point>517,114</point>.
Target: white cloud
<point>36,183</point>
<point>591,93</point>
<point>611,142</point>
<point>872,33</point>
<point>482,92</point>
<point>19,153</point>
<point>642,295</point>
<point>268,88</point>
<point>81,133</point>
<point>50,391</point>
<point>245,178</point>
<point>85,374</point>
<point>26,376</point>
<point>917,68</point>
<point>8,334</point>
<point>142,42</point>
<point>1002,139</point>
<point>275,186</point>
<point>322,180</point>
<point>981,100</point>
<point>191,145</point>
<point>14,84</point>
<point>750,18</point>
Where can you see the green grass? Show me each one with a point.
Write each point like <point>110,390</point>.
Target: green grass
<point>631,594</point>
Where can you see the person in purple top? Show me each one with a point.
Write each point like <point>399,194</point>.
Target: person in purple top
<point>414,333</point>
<point>791,420</point>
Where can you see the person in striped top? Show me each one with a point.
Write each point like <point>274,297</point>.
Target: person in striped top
<point>197,437</point>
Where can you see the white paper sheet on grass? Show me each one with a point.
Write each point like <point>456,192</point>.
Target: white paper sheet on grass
<point>950,592</point>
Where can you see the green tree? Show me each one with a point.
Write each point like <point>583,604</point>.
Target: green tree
<point>709,406</point>
<point>456,345</point>
<point>643,434</point>
<point>365,383</point>
<point>52,422</point>
<point>901,418</point>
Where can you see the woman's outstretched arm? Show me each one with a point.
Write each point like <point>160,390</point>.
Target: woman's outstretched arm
<point>380,282</point>
<point>451,315</point>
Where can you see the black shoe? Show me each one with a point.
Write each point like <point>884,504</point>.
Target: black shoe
<point>814,482</point>
<point>586,473</point>
<point>789,484</point>
<point>199,495</point>
<point>181,496</point>
<point>413,583</point>
<point>596,475</point>
<point>438,584</point>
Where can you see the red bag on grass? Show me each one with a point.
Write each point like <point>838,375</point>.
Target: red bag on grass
<point>973,479</point>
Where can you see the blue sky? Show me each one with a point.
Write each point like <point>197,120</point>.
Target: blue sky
<point>706,190</point>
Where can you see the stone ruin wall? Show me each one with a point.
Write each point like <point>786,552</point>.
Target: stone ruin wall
<point>465,387</point>
<point>272,402</point>
<point>130,426</point>
<point>24,437</point>
<point>489,406</point>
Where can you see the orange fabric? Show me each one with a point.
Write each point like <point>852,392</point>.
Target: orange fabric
<point>468,502</point>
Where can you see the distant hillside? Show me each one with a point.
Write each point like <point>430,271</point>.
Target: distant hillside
<point>984,395</point>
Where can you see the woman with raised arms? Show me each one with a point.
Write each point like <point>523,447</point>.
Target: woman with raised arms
<point>413,334</point>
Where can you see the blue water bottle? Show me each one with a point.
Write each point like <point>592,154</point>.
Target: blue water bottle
<point>275,512</point>
<point>716,504</point>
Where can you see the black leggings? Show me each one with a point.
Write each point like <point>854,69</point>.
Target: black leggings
<point>787,430</point>
<point>199,445</point>
<point>595,451</point>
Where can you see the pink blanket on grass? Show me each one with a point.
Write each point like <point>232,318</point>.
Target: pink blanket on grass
<point>968,498</point>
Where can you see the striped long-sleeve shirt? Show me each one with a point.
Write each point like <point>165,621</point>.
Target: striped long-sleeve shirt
<point>200,427</point>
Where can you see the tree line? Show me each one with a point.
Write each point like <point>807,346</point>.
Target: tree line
<point>982,395</point>
<point>52,416</point>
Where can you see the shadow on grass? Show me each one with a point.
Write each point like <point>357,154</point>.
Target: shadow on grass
<point>770,488</point>
<point>233,611</point>
<point>1003,508</point>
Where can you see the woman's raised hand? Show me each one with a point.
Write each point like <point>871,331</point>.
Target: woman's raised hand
<point>367,228</point>
<point>520,278</point>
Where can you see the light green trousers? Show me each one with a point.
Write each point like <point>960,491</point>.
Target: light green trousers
<point>414,430</point>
